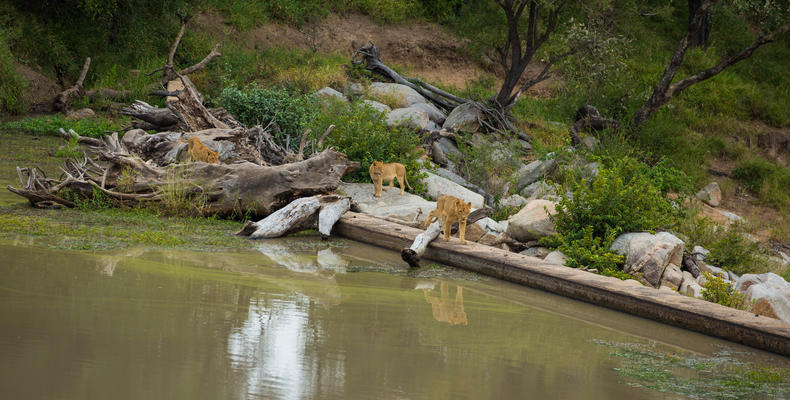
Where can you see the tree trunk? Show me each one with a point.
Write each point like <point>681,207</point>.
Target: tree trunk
<point>700,38</point>
<point>412,254</point>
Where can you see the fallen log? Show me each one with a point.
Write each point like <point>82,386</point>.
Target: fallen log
<point>412,254</point>
<point>301,214</point>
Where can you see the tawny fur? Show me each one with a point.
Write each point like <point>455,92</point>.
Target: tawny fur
<point>198,151</point>
<point>380,172</point>
<point>450,209</point>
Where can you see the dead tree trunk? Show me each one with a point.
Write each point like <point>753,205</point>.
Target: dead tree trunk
<point>320,212</point>
<point>63,100</point>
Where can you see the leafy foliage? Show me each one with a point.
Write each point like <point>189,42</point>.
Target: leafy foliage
<point>362,134</point>
<point>589,251</point>
<point>719,291</point>
<point>289,112</point>
<point>12,85</point>
<point>480,157</point>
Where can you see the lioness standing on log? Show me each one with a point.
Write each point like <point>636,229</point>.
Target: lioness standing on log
<point>451,209</point>
<point>380,172</point>
<point>198,151</point>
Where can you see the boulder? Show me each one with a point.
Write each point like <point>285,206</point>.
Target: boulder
<point>438,156</point>
<point>533,221</point>
<point>449,148</point>
<point>689,286</point>
<point>394,94</point>
<point>540,190</point>
<point>331,94</point>
<point>715,271</point>
<point>534,172</point>
<point>555,257</point>
<point>489,225</point>
<point>390,204</point>
<point>590,142</point>
<point>710,194</point>
<point>513,201</point>
<point>82,113</point>
<point>381,107</point>
<point>649,254</point>
<point>409,118</point>
<point>434,113</point>
<point>672,277</point>
<point>464,118</point>
<point>699,253</point>
<point>438,186</point>
<point>355,89</point>
<point>537,251</point>
<point>433,126</point>
<point>721,216</point>
<point>768,294</point>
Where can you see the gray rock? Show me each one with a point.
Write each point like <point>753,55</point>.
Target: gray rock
<point>540,190</point>
<point>438,186</point>
<point>433,126</point>
<point>590,170</point>
<point>533,172</point>
<point>513,200</point>
<point>390,204</point>
<point>463,118</point>
<point>437,155</point>
<point>537,251</point>
<point>700,253</point>
<point>710,194</point>
<point>732,276</point>
<point>434,113</point>
<point>489,225</point>
<point>713,270</point>
<point>732,217</point>
<point>504,224</point>
<point>672,277</point>
<point>555,257</point>
<point>533,221</point>
<point>329,93</point>
<point>667,289</point>
<point>449,148</point>
<point>394,94</point>
<point>410,118</point>
<point>689,286</point>
<point>82,113</point>
<point>785,257</point>
<point>381,107</point>
<point>768,294</point>
<point>525,146</point>
<point>649,254</point>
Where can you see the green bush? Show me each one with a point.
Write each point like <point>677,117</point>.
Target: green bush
<point>362,134</point>
<point>50,124</point>
<point>12,85</point>
<point>589,251</point>
<point>481,157</point>
<point>734,252</point>
<point>289,112</point>
<point>621,198</point>
<point>753,173</point>
<point>719,291</point>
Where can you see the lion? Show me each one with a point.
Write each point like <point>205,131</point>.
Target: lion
<point>380,172</point>
<point>450,209</point>
<point>198,151</point>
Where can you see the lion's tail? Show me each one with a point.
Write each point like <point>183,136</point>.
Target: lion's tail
<point>406,179</point>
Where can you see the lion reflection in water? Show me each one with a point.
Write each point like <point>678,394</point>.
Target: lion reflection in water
<point>446,310</point>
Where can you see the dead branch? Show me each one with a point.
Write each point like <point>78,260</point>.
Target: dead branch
<point>63,100</point>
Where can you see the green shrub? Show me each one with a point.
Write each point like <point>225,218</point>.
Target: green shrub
<point>590,251</point>
<point>12,85</point>
<point>734,252</point>
<point>719,291</point>
<point>481,157</point>
<point>621,198</point>
<point>49,125</point>
<point>753,173</point>
<point>289,112</point>
<point>362,134</point>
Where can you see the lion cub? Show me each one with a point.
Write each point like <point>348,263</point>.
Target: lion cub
<point>451,209</point>
<point>198,151</point>
<point>380,172</point>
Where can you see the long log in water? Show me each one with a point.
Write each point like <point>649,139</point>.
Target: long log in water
<point>686,312</point>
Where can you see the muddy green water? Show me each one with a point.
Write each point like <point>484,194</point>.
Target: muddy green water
<point>300,319</point>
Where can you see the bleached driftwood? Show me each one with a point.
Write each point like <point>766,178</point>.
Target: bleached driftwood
<point>412,254</point>
<point>293,217</point>
<point>301,214</point>
<point>330,213</point>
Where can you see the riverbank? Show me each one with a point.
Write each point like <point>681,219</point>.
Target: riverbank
<point>668,307</point>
